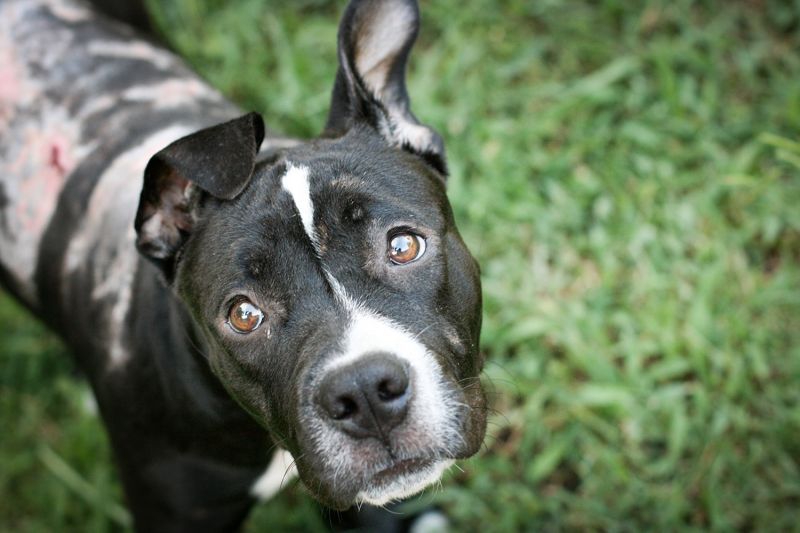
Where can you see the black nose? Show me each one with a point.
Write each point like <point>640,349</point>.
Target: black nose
<point>368,397</point>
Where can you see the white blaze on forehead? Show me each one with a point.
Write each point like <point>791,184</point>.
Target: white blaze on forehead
<point>296,183</point>
<point>281,471</point>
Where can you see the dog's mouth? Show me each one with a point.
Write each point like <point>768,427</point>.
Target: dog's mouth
<point>401,479</point>
<point>401,468</point>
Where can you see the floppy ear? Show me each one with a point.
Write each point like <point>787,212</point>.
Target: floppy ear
<point>218,160</point>
<point>375,38</point>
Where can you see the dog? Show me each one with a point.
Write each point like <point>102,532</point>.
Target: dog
<point>243,304</point>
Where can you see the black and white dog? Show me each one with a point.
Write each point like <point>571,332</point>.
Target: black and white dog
<point>291,303</point>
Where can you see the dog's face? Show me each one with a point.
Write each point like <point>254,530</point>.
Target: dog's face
<point>339,304</point>
<point>343,311</point>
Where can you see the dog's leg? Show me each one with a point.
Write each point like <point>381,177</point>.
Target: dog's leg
<point>187,454</point>
<point>182,470</point>
<point>181,493</point>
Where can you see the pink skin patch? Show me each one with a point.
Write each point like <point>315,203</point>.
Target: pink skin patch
<point>9,78</point>
<point>57,161</point>
<point>48,161</point>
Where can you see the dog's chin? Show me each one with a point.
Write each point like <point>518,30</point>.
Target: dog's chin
<point>395,481</point>
<point>401,480</point>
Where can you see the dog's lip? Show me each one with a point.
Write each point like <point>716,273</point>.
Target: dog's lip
<point>400,468</point>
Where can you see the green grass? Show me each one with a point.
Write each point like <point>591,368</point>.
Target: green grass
<point>629,178</point>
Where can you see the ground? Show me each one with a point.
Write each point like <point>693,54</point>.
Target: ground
<point>628,175</point>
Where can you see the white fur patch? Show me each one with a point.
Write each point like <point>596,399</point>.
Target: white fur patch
<point>415,135</point>
<point>370,332</point>
<point>296,183</point>
<point>431,522</point>
<point>279,473</point>
<point>404,486</point>
<point>131,50</point>
<point>171,93</point>
<point>431,410</point>
<point>69,12</point>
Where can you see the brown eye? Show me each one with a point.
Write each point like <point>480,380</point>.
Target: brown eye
<point>405,247</point>
<point>244,317</point>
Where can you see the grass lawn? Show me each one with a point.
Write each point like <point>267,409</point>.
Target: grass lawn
<point>628,175</point>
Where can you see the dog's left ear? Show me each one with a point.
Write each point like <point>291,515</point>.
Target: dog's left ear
<point>218,161</point>
<point>375,38</point>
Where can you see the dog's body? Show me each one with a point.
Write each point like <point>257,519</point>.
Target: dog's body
<point>362,362</point>
<point>83,109</point>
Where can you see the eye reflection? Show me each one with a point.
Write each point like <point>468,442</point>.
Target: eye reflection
<point>405,248</point>
<point>244,316</point>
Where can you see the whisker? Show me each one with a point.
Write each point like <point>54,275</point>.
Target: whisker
<point>191,341</point>
<point>426,328</point>
<point>288,468</point>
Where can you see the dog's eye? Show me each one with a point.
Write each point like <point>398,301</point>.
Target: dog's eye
<point>405,248</point>
<point>244,317</point>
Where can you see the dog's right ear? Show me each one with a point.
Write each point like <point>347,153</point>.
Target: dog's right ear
<point>218,161</point>
<point>375,39</point>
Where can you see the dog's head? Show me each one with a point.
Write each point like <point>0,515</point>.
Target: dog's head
<point>339,304</point>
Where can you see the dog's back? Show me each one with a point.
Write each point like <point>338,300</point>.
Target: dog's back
<point>84,103</point>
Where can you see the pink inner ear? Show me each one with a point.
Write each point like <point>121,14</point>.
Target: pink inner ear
<point>164,221</point>
<point>380,34</point>
<point>175,196</point>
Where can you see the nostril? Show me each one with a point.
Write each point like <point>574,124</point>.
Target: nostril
<point>390,389</point>
<point>345,407</point>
